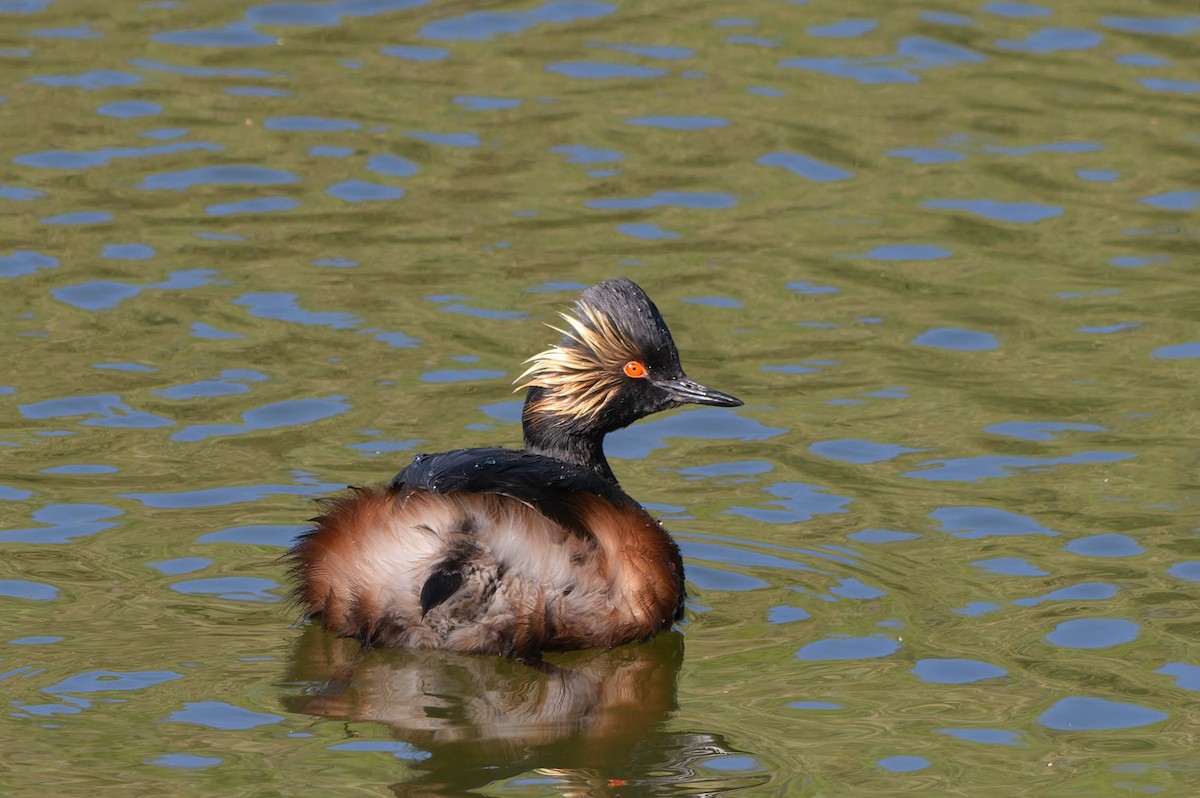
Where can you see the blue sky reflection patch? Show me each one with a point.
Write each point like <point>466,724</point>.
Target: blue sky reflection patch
<point>958,338</point>
<point>1017,212</point>
<point>220,715</point>
<point>799,502</point>
<point>981,522</point>
<point>842,648</point>
<point>288,413</point>
<point>1078,713</point>
<point>956,671</point>
<point>1093,633</point>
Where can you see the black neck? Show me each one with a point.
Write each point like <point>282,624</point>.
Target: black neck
<point>553,438</point>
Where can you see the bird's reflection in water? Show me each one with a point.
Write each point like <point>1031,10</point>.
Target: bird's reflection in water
<point>588,724</point>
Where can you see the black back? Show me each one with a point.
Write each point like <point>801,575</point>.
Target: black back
<point>547,484</point>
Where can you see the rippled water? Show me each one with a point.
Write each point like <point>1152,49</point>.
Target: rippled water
<point>946,252</point>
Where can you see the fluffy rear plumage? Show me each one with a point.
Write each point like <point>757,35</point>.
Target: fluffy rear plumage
<point>486,573</point>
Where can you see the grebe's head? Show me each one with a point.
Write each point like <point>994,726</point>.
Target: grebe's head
<point>616,363</point>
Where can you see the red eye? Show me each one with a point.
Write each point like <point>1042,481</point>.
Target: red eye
<point>635,369</point>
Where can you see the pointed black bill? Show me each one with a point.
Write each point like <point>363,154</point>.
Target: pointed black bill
<point>689,392</point>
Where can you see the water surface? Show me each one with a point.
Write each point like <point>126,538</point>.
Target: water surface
<point>252,253</point>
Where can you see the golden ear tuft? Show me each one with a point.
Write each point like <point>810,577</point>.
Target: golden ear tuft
<point>582,374</point>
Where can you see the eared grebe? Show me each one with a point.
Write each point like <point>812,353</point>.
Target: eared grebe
<point>518,552</point>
